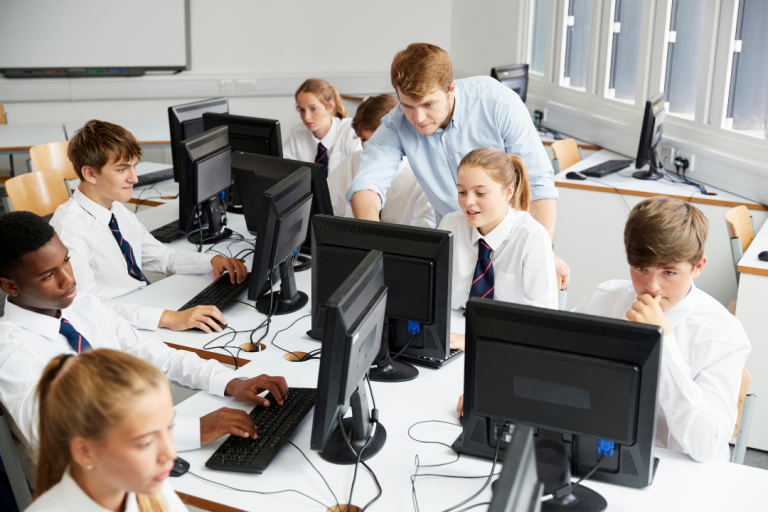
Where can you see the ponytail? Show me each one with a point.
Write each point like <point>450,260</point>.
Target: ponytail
<point>86,397</point>
<point>326,93</point>
<point>507,170</point>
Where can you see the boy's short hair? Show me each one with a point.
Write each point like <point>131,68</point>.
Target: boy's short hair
<point>21,233</point>
<point>421,68</point>
<point>663,231</point>
<point>370,112</point>
<point>97,142</point>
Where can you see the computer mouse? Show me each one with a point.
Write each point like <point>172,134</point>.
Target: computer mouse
<point>763,256</point>
<point>180,466</point>
<point>574,175</point>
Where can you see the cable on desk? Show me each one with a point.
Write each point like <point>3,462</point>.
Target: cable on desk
<point>319,473</point>
<point>311,355</point>
<point>417,462</point>
<point>475,506</point>
<point>374,419</point>
<point>487,482</point>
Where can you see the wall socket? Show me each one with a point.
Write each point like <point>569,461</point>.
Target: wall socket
<point>667,152</point>
<point>246,85</point>
<point>226,85</point>
<point>688,156</point>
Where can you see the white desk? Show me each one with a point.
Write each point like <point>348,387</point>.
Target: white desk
<point>149,132</point>
<point>156,193</point>
<point>18,138</point>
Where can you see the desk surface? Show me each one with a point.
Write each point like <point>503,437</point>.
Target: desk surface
<point>147,131</point>
<point>20,137</point>
<point>624,183</point>
<point>750,263</point>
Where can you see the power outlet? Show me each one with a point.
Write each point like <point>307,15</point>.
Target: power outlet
<point>688,156</point>
<point>226,85</point>
<point>667,154</point>
<point>246,85</point>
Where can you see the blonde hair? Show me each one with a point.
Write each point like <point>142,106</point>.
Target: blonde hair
<point>503,169</point>
<point>326,93</point>
<point>421,68</point>
<point>370,112</point>
<point>662,231</point>
<point>90,397</point>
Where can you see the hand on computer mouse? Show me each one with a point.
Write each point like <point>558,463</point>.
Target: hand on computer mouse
<point>457,341</point>
<point>205,318</point>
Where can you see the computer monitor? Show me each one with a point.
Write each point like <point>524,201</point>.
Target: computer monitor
<point>518,488</point>
<point>576,379</point>
<point>206,173</point>
<point>248,134</point>
<point>514,76</point>
<point>283,228</point>
<point>187,120</point>
<point>650,135</point>
<point>417,271</point>
<point>351,340</point>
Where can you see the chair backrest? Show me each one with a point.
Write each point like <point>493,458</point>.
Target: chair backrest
<point>37,192</point>
<point>3,116</point>
<point>740,225</point>
<point>746,378</point>
<point>53,156</point>
<point>566,152</point>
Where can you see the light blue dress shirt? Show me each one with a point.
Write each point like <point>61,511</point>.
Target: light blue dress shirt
<point>486,115</point>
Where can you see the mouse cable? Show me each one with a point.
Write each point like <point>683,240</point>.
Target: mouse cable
<point>318,472</point>
<point>487,482</point>
<point>286,350</point>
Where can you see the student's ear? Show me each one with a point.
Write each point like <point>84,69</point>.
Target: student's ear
<point>81,452</point>
<point>452,90</point>
<point>699,267</point>
<point>8,286</point>
<point>89,174</point>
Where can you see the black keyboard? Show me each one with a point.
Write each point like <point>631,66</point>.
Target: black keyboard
<point>600,170</point>
<point>154,177</point>
<point>220,293</point>
<point>275,425</point>
<point>167,233</point>
<point>430,361</point>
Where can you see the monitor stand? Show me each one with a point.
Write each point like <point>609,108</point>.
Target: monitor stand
<point>288,299</point>
<point>653,172</point>
<point>215,232</point>
<point>384,369</point>
<point>357,429</point>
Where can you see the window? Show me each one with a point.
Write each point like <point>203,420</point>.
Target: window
<point>686,26</point>
<point>748,95</point>
<point>576,55</point>
<point>625,44</point>
<point>538,35</point>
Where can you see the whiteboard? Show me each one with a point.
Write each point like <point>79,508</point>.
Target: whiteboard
<point>151,34</point>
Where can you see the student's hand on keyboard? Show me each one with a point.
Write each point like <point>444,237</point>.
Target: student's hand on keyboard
<point>249,390</point>
<point>457,341</point>
<point>202,317</point>
<point>235,267</point>
<point>460,408</point>
<point>226,421</point>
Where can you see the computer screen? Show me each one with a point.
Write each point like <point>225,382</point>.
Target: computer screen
<point>417,265</point>
<point>514,76</point>
<point>518,488</point>
<point>186,121</point>
<point>650,135</point>
<point>351,340</point>
<point>576,378</point>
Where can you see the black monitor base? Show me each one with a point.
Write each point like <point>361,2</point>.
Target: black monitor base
<point>581,499</point>
<point>194,237</point>
<point>384,369</point>
<point>302,263</point>
<point>648,175</point>
<point>336,450</point>
<point>288,299</point>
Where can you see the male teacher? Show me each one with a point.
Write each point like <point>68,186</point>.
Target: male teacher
<point>438,121</point>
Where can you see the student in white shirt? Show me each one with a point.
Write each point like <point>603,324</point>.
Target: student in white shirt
<point>406,202</point>
<point>704,347</point>
<point>499,250</point>
<point>106,426</point>
<point>108,245</point>
<point>45,317</point>
<point>325,134</point>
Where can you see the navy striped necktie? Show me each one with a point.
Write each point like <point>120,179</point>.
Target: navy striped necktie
<point>133,268</point>
<point>76,340</point>
<point>482,281</point>
<point>322,157</point>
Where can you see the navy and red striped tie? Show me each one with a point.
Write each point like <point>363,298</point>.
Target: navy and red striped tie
<point>76,340</point>
<point>322,157</point>
<point>482,281</point>
<point>133,268</point>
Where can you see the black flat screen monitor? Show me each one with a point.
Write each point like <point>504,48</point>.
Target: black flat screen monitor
<point>283,228</point>
<point>576,378</point>
<point>249,134</point>
<point>351,340</point>
<point>650,135</point>
<point>205,162</point>
<point>186,121</point>
<point>514,76</point>
<point>417,269</point>
<point>518,488</point>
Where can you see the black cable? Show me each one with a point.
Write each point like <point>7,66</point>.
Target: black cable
<point>319,473</point>
<point>359,456</point>
<point>413,334</point>
<point>487,482</point>
<point>258,492</point>
<point>566,489</point>
<point>381,491</point>
<point>475,506</point>
<point>368,380</point>
<point>285,350</point>
<point>417,462</point>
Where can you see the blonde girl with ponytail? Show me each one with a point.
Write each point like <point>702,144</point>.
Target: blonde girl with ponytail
<point>499,250</point>
<point>106,438</point>
<point>325,135</point>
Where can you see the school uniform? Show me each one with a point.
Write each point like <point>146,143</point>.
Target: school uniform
<point>512,263</point>
<point>29,340</point>
<point>67,496</point>
<point>406,202</point>
<point>110,263</point>
<point>701,366</point>
<point>338,144</point>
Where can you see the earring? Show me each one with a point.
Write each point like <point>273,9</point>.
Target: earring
<point>89,467</point>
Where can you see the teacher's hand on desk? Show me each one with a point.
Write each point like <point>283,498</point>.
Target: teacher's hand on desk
<point>248,390</point>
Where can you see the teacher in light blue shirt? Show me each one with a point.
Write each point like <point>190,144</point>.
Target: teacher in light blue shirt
<point>437,122</point>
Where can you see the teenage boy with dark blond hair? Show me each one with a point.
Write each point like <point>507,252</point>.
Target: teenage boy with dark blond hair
<point>109,247</point>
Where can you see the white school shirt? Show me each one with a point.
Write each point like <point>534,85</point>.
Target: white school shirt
<point>29,340</point>
<point>701,364</point>
<point>67,496</point>
<point>523,261</point>
<point>340,141</point>
<point>406,202</point>
<point>98,263</point>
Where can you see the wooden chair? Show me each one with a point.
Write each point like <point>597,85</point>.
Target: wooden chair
<point>566,153</point>
<point>740,231</point>
<point>37,192</point>
<point>53,156</point>
<point>746,407</point>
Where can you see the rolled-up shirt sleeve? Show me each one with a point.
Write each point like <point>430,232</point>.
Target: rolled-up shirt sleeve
<point>379,163</point>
